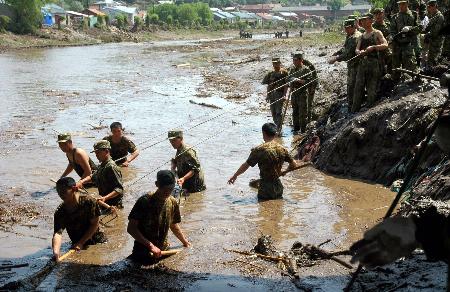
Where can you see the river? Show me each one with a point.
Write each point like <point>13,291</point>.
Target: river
<point>46,91</point>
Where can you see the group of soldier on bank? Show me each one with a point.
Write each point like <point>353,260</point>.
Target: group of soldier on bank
<point>153,214</point>
<point>374,48</point>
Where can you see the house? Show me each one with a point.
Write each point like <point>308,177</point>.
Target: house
<point>52,14</point>
<point>250,18</point>
<point>322,10</point>
<point>222,15</point>
<point>102,4</point>
<point>93,12</point>
<point>259,8</point>
<point>129,12</point>
<point>77,19</point>
<point>288,16</point>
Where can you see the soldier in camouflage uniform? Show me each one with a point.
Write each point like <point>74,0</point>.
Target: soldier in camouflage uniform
<point>270,157</point>
<point>311,88</point>
<point>357,23</point>
<point>368,74</point>
<point>151,218</point>
<point>276,90</point>
<point>121,146</point>
<point>299,76</point>
<point>186,164</point>
<point>347,53</point>
<point>432,39</point>
<point>403,31</point>
<point>443,6</point>
<point>79,214</point>
<point>108,177</point>
<point>383,26</point>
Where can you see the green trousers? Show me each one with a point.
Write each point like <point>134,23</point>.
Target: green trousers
<point>270,190</point>
<point>367,77</point>
<point>403,56</point>
<point>276,107</point>
<point>299,111</point>
<point>351,80</point>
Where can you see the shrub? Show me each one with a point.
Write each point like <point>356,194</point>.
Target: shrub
<point>4,22</point>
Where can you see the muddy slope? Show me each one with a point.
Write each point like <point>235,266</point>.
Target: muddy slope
<point>367,144</point>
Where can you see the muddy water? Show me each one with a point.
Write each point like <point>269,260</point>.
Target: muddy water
<point>69,90</point>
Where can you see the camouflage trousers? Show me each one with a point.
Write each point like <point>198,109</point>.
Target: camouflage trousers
<point>351,80</point>
<point>403,56</point>
<point>446,47</point>
<point>270,189</point>
<point>434,52</point>
<point>367,77</point>
<point>276,107</point>
<point>311,92</point>
<point>299,111</point>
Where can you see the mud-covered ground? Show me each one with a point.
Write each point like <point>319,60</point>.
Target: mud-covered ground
<point>231,71</point>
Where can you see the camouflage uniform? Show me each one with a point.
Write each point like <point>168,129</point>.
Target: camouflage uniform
<point>270,157</point>
<point>402,45</point>
<point>274,80</point>
<point>299,98</point>
<point>346,54</point>
<point>386,55</point>
<point>368,74</point>
<point>446,45</point>
<point>78,222</point>
<point>311,88</point>
<point>108,178</point>
<point>121,149</point>
<point>154,220</point>
<point>432,39</point>
<point>186,160</point>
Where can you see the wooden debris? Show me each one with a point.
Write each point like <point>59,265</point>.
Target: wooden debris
<point>7,267</point>
<point>205,104</point>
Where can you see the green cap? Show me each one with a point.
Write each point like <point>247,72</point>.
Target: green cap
<point>352,17</point>
<point>402,1</point>
<point>175,133</point>
<point>377,10</point>
<point>431,2</point>
<point>349,22</point>
<point>102,144</point>
<point>64,137</point>
<point>276,60</point>
<point>367,15</point>
<point>297,55</point>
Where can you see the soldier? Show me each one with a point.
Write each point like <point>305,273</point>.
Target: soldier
<point>345,54</point>
<point>186,164</point>
<point>270,157</point>
<point>151,218</point>
<point>404,29</point>
<point>121,146</point>
<point>276,90</point>
<point>299,76</point>
<point>311,88</point>
<point>78,159</point>
<point>108,177</point>
<point>368,74</point>
<point>357,22</point>
<point>432,39</point>
<point>383,26</point>
<point>417,6</point>
<point>79,214</point>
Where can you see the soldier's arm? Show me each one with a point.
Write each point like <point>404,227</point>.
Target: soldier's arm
<point>382,42</point>
<point>358,45</point>
<point>176,229</point>
<point>93,226</point>
<point>68,170</point>
<point>266,79</point>
<point>243,168</point>
<point>58,229</point>
<point>133,150</point>
<point>114,178</point>
<point>82,159</point>
<point>133,230</point>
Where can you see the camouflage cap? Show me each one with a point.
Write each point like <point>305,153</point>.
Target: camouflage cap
<point>175,133</point>
<point>402,1</point>
<point>349,22</point>
<point>367,15</point>
<point>102,144</point>
<point>432,2</point>
<point>352,17</point>
<point>276,60</point>
<point>64,137</point>
<point>377,10</point>
<point>297,55</point>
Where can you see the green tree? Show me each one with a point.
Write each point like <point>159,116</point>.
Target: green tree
<point>164,11</point>
<point>186,14</point>
<point>335,5</point>
<point>28,12</point>
<point>4,22</point>
<point>204,13</point>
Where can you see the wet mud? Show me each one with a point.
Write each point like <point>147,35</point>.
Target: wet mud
<point>139,85</point>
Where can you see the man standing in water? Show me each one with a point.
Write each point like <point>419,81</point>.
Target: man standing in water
<point>121,146</point>
<point>276,90</point>
<point>79,214</point>
<point>79,160</point>
<point>186,164</point>
<point>151,218</point>
<point>108,177</point>
<point>270,157</point>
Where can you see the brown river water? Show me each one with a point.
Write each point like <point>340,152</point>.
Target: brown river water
<point>44,91</point>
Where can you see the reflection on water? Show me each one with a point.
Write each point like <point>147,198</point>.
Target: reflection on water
<point>65,90</point>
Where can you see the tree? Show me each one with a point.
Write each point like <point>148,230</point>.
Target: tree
<point>204,13</point>
<point>4,22</point>
<point>29,16</point>
<point>186,14</point>
<point>335,5</point>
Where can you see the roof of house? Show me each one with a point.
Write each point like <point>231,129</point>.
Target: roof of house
<point>259,6</point>
<point>53,9</point>
<point>245,15</point>
<point>104,2</point>
<point>94,11</point>
<point>278,18</point>
<point>74,13</point>
<point>265,16</point>
<point>301,8</point>
<point>288,14</point>
<point>352,7</point>
<point>222,14</point>
<point>123,9</point>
